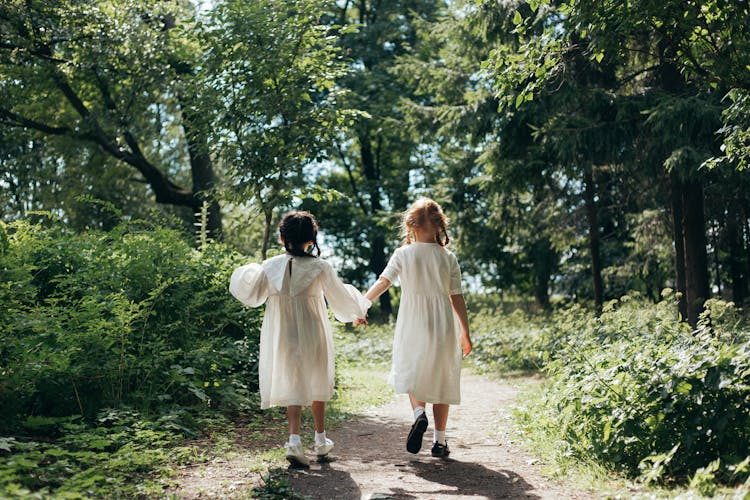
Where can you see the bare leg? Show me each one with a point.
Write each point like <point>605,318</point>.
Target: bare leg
<point>440,413</point>
<point>415,402</point>
<point>319,415</point>
<point>294,416</point>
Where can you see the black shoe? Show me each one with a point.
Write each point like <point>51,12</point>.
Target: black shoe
<point>414,441</point>
<point>440,450</point>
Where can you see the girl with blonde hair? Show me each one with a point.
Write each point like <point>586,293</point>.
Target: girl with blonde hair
<point>432,328</point>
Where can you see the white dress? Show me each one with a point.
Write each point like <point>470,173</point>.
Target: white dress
<point>296,364</point>
<point>426,345</point>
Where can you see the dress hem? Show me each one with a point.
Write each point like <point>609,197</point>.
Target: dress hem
<point>292,402</point>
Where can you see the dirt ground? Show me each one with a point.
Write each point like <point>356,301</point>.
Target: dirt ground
<point>370,460</point>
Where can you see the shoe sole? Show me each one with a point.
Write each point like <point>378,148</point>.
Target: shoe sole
<point>441,455</point>
<point>414,441</point>
<point>321,455</point>
<point>296,462</point>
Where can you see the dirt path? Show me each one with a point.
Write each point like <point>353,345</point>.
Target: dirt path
<point>370,460</point>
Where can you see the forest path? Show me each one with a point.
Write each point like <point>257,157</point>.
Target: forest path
<point>370,460</point>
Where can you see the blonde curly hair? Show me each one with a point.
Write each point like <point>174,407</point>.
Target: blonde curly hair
<point>425,214</point>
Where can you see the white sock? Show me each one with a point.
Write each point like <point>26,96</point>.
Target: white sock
<point>439,437</point>
<point>295,440</point>
<point>320,437</point>
<point>418,410</point>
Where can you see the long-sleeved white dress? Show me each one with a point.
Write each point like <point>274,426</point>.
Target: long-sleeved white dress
<point>426,344</point>
<point>296,365</point>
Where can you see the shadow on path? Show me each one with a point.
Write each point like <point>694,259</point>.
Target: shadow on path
<point>326,481</point>
<point>471,479</point>
<point>370,460</point>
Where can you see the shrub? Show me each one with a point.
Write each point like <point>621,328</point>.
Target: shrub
<point>638,390</point>
<point>134,317</point>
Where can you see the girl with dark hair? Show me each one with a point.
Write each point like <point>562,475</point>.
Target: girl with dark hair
<point>296,366</point>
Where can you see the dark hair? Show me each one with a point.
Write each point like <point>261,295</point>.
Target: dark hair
<point>297,228</point>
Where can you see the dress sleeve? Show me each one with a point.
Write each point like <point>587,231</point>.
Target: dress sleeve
<point>346,302</point>
<point>455,285</point>
<point>249,285</point>
<point>393,269</point>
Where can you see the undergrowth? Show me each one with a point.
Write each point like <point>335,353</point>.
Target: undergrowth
<point>635,390</point>
<point>114,347</point>
<point>124,455</point>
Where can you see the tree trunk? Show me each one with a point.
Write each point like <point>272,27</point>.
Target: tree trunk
<point>544,259</point>
<point>679,243</point>
<point>267,230</point>
<point>594,242</point>
<point>377,241</point>
<point>202,170</point>
<point>696,258</point>
<point>737,265</point>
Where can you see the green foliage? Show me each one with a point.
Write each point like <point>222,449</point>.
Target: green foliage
<point>90,95</point>
<point>639,391</point>
<point>736,131</point>
<point>124,456</point>
<point>131,317</point>
<point>367,346</point>
<point>516,343</point>
<point>269,90</point>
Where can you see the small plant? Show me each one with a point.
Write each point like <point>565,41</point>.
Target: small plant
<point>276,486</point>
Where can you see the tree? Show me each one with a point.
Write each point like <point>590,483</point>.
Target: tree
<point>270,97</point>
<point>651,53</point>
<point>110,76</point>
<point>373,161</point>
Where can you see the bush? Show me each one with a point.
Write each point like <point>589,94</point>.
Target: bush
<point>638,390</point>
<point>134,317</point>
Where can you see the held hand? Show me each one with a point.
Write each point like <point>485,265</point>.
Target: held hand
<point>360,321</point>
<point>466,345</point>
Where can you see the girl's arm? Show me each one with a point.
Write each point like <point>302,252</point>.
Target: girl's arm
<point>378,288</point>
<point>375,291</point>
<point>459,306</point>
<point>345,301</point>
<point>249,285</point>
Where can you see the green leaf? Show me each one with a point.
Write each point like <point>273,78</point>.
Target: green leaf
<point>683,387</point>
<point>607,430</point>
<point>517,18</point>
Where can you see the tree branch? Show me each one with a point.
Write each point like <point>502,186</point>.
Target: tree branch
<point>635,75</point>
<point>348,168</point>
<point>21,121</point>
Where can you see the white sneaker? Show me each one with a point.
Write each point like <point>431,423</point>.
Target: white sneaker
<point>323,449</point>
<point>296,455</point>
